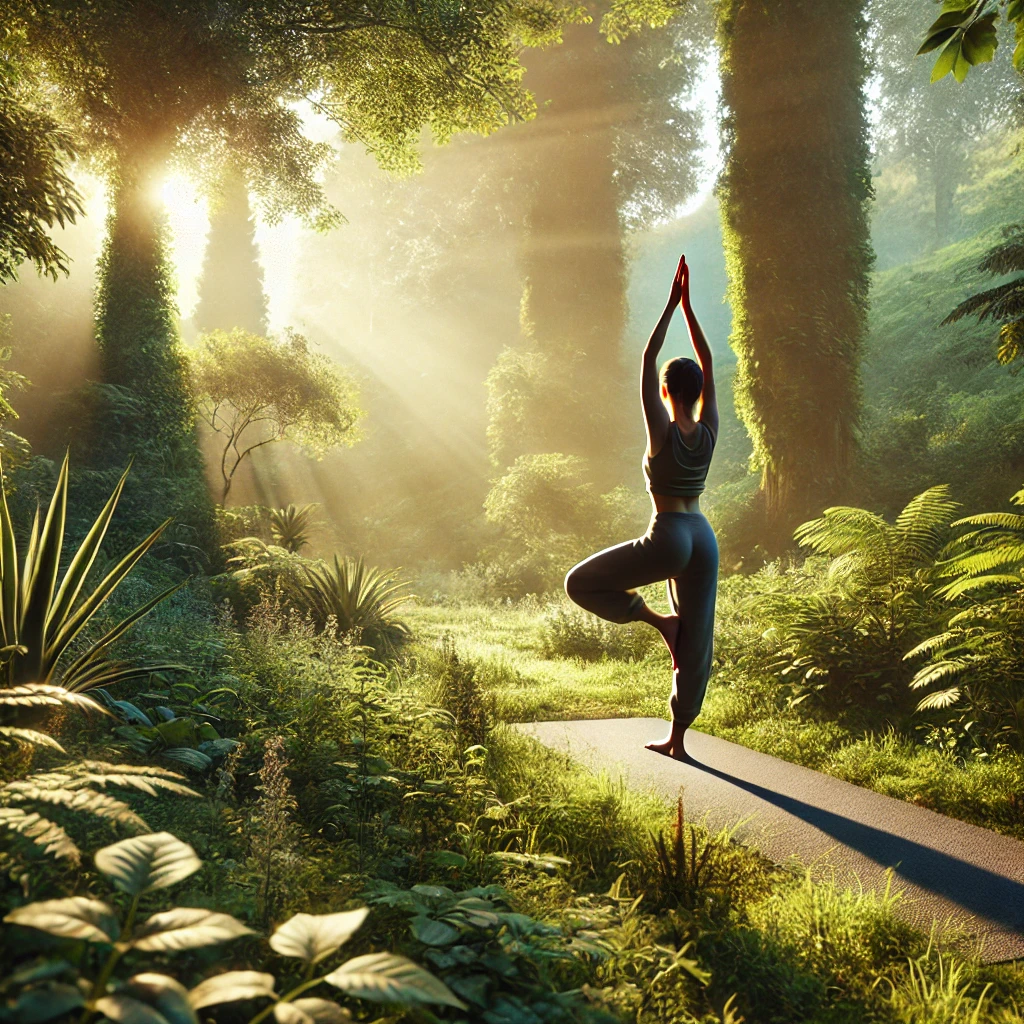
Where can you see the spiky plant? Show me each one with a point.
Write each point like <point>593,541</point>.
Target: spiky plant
<point>350,596</point>
<point>27,803</point>
<point>289,527</point>
<point>41,614</point>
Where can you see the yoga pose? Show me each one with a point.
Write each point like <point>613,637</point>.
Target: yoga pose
<point>681,416</point>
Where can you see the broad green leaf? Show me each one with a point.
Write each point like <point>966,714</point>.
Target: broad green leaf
<point>194,759</point>
<point>936,39</point>
<point>126,1010</point>
<point>432,932</point>
<point>73,918</point>
<point>187,928</point>
<point>311,937</point>
<point>962,67</point>
<point>47,1002</point>
<point>387,978</point>
<point>231,987</point>
<point>434,891</point>
<point>980,41</point>
<point>322,1011</point>
<point>1018,54</point>
<point>947,59</point>
<point>143,863</point>
<point>149,993</point>
<point>286,1013</point>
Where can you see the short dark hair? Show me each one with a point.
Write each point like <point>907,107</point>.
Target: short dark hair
<point>683,379</point>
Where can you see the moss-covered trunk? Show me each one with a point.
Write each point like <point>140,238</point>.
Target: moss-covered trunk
<point>793,199</point>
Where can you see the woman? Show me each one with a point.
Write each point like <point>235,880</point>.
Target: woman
<point>681,416</point>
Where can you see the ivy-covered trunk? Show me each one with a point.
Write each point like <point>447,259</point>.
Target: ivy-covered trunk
<point>142,409</point>
<point>793,199</point>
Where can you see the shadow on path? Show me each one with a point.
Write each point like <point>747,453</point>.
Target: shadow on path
<point>977,890</point>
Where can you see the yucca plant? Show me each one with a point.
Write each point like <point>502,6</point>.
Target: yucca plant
<point>354,597</point>
<point>289,527</point>
<point>42,614</point>
<point>79,788</point>
<point>143,864</point>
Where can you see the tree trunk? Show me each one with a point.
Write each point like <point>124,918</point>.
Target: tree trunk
<point>573,263</point>
<point>144,412</point>
<point>793,200</point>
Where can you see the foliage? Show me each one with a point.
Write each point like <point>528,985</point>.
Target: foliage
<point>694,870</point>
<point>547,507</point>
<point>141,865</point>
<point>351,597</point>
<point>457,690</point>
<point>256,391</point>
<point>289,527</point>
<point>36,191</point>
<point>75,789</point>
<point>505,965</point>
<point>966,31</point>
<point>569,632</point>
<point>799,302</point>
<point>41,620</point>
<point>1003,304</point>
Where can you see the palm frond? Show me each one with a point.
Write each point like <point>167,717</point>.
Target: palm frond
<point>39,694</point>
<point>289,527</point>
<point>1004,302</point>
<point>933,644</point>
<point>974,584</point>
<point>30,736</point>
<point>86,801</point>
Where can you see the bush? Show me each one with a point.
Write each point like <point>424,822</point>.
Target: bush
<point>568,632</point>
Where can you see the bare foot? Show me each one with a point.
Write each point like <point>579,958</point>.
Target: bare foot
<point>671,745</point>
<point>668,627</point>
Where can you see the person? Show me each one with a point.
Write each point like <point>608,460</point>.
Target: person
<point>681,416</point>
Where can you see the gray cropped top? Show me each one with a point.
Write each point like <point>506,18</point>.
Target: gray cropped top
<point>677,470</point>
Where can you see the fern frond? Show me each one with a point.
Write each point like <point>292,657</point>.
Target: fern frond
<point>147,779</point>
<point>841,529</point>
<point>940,699</point>
<point>31,736</point>
<point>933,644</point>
<point>84,801</point>
<point>1011,521</point>
<point>985,559</point>
<point>923,525</point>
<point>972,584</point>
<point>43,832</point>
<point>938,670</point>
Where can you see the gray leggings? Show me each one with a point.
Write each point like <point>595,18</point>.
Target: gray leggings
<point>679,547</point>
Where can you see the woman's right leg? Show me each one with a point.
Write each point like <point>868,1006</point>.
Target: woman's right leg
<point>606,583</point>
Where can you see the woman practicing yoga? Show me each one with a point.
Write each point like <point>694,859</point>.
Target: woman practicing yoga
<point>681,416</point>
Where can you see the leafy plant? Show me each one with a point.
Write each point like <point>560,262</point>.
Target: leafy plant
<point>75,788</point>
<point>574,633</point>
<point>504,964</point>
<point>457,690</point>
<point>351,596</point>
<point>40,620</point>
<point>289,527</point>
<point>693,870</point>
<point>141,865</point>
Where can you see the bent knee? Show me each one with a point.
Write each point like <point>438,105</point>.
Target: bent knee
<point>574,583</point>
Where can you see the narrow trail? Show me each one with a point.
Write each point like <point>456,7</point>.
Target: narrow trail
<point>946,868</point>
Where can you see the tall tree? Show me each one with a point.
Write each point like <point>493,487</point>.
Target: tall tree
<point>612,149</point>
<point>793,198</point>
<point>933,125</point>
<point>211,81</point>
<point>231,283</point>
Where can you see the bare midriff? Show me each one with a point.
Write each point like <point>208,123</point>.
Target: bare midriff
<point>671,503</point>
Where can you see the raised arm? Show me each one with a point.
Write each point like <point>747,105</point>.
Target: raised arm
<point>708,413</point>
<point>656,418</point>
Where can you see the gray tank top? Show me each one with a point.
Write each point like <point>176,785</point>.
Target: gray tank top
<point>678,471</point>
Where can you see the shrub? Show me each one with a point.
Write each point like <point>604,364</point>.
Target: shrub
<point>568,632</point>
<point>457,689</point>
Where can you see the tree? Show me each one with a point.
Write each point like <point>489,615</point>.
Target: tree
<point>214,82</point>
<point>793,199</point>
<point>36,191</point>
<point>231,285</point>
<point>613,149</point>
<point>935,126</point>
<point>255,391</point>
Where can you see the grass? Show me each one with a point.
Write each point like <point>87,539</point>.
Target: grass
<point>506,646</point>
